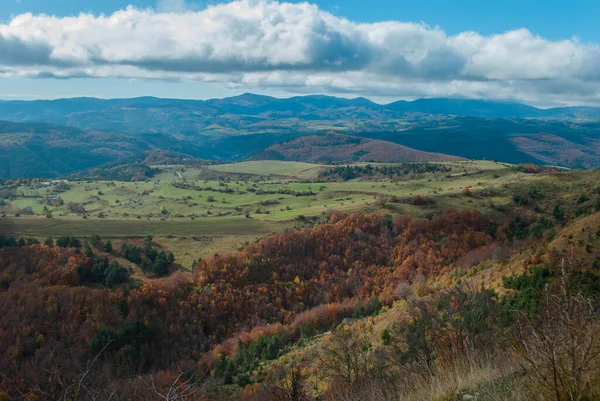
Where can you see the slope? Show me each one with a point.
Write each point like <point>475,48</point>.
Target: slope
<point>513,141</point>
<point>337,148</point>
<point>48,150</point>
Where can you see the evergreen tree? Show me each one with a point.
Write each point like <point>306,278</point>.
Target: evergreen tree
<point>49,242</point>
<point>108,246</point>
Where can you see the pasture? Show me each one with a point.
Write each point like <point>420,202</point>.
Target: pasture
<point>226,205</point>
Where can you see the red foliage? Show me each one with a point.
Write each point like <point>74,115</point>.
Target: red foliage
<point>430,247</point>
<point>422,200</point>
<point>42,265</point>
<point>277,285</point>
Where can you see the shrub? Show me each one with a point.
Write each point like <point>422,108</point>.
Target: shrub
<point>560,345</point>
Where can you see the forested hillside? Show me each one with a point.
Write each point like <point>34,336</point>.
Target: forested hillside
<point>254,127</point>
<point>335,148</point>
<point>48,150</point>
<point>408,300</point>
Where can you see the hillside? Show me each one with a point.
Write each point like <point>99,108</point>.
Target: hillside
<point>360,306</point>
<point>513,141</point>
<point>48,150</point>
<point>240,127</point>
<point>335,148</point>
<point>55,150</point>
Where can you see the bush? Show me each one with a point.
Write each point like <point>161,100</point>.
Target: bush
<point>558,213</point>
<point>26,211</point>
<point>520,200</point>
<point>248,359</point>
<point>562,354</point>
<point>582,199</point>
<point>76,208</point>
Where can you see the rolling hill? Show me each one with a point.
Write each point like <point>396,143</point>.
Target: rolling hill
<point>49,150</point>
<point>514,141</point>
<point>80,133</point>
<point>336,148</point>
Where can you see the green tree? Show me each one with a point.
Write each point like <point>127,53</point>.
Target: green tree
<point>558,213</point>
<point>96,240</point>
<point>99,269</point>
<point>116,274</point>
<point>386,337</point>
<point>108,246</point>
<point>88,249</point>
<point>63,242</point>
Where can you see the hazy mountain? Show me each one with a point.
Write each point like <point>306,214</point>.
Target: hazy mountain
<point>468,107</point>
<point>256,113</point>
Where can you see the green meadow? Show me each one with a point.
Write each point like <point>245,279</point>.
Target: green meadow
<point>233,203</point>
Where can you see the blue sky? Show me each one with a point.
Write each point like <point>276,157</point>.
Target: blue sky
<point>448,68</point>
<point>553,19</point>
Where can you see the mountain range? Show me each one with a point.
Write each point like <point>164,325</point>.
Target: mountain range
<point>56,137</point>
<point>256,113</point>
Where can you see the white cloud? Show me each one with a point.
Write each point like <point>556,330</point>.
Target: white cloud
<point>299,48</point>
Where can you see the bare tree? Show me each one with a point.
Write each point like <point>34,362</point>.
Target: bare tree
<point>348,355</point>
<point>561,347</point>
<point>56,386</point>
<point>289,381</point>
<point>176,385</point>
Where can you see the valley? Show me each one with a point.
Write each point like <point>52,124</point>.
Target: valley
<point>304,262</point>
<point>247,200</point>
<point>66,136</point>
<point>234,249</point>
<point>281,200</point>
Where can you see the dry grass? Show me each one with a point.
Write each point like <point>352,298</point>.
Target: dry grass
<point>472,378</point>
<point>189,249</point>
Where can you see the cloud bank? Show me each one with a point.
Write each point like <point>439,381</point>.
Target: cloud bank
<point>299,48</point>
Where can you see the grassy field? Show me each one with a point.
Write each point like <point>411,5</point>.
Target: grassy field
<point>271,167</point>
<point>230,211</point>
<point>113,228</point>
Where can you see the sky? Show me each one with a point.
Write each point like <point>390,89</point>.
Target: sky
<point>537,52</point>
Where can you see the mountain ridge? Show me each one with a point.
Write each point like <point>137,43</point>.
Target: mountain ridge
<point>246,126</point>
<point>257,103</point>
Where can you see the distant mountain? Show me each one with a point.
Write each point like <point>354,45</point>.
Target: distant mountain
<point>249,113</point>
<point>240,127</point>
<point>468,107</point>
<point>513,141</point>
<point>49,150</point>
<point>216,117</point>
<point>577,112</point>
<point>336,148</point>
